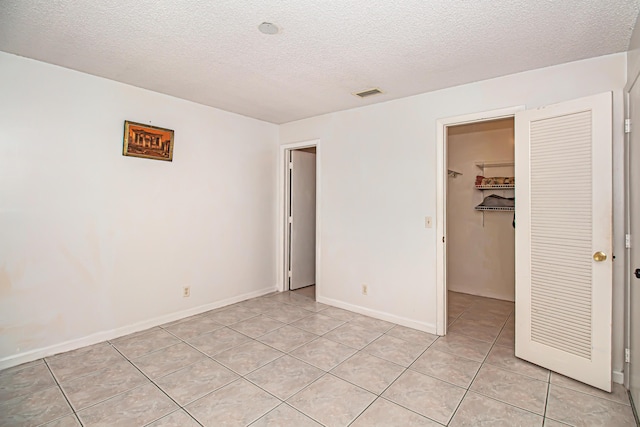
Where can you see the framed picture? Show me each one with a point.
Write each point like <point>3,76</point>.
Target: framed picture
<point>147,141</point>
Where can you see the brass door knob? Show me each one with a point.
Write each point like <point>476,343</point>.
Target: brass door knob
<point>599,256</point>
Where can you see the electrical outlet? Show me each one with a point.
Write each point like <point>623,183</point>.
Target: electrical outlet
<point>365,289</point>
<point>186,291</point>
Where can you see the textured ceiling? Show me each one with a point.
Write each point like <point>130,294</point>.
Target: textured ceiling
<point>212,53</point>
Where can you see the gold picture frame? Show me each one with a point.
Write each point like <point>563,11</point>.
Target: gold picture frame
<point>149,142</point>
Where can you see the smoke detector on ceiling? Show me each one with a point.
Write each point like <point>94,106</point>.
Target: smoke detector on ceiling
<point>368,92</point>
<point>268,28</point>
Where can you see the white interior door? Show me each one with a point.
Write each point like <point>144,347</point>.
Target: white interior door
<point>564,230</point>
<point>634,263</point>
<point>302,252</point>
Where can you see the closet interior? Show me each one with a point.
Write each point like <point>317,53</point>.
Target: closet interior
<point>480,209</point>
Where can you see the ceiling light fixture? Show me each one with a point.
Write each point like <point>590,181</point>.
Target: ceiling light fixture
<point>268,28</point>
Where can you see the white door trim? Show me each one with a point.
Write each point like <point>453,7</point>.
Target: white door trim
<point>441,201</point>
<point>627,229</point>
<point>283,200</point>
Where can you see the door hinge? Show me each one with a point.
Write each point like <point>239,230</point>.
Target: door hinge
<point>442,239</point>
<point>290,220</point>
<point>627,355</point>
<point>289,274</point>
<point>627,241</point>
<point>290,165</point>
<point>627,125</point>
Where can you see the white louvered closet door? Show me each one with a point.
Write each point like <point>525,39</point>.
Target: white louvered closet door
<point>563,218</point>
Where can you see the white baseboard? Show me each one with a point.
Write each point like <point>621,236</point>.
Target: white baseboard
<point>617,377</point>
<point>410,323</point>
<point>28,356</point>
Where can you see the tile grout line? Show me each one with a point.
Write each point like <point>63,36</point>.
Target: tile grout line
<point>305,388</point>
<point>161,349</point>
<point>329,372</point>
<point>272,410</point>
<point>588,394</point>
<point>380,396</point>
<point>93,372</point>
<point>142,385</point>
<point>467,389</point>
<point>498,400</point>
<point>183,407</point>
<point>405,369</point>
<point>544,412</point>
<point>364,410</point>
<point>240,376</point>
<point>36,391</point>
<point>546,402</point>
<point>73,410</point>
<point>244,377</point>
<point>466,392</point>
<point>171,413</point>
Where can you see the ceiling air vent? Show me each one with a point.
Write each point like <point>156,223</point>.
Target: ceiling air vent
<point>368,92</point>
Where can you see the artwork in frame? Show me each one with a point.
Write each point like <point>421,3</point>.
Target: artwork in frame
<point>150,142</point>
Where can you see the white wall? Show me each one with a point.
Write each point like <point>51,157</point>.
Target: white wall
<point>94,244</point>
<point>378,182</point>
<point>480,245</point>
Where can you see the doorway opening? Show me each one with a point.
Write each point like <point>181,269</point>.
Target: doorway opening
<point>476,225</point>
<point>480,217</point>
<point>300,225</point>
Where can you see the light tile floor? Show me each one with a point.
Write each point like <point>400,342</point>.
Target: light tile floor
<point>286,360</point>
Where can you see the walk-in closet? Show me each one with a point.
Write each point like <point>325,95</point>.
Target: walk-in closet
<point>480,210</point>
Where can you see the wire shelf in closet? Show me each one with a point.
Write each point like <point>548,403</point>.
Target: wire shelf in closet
<point>494,164</point>
<point>496,187</point>
<point>495,208</point>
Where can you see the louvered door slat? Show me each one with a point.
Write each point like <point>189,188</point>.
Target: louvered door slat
<point>572,283</point>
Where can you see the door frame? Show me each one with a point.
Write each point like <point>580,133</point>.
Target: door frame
<point>441,200</point>
<point>628,267</point>
<point>283,201</point>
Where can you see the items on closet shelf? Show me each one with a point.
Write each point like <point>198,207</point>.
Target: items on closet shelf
<point>481,181</point>
<point>495,201</point>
